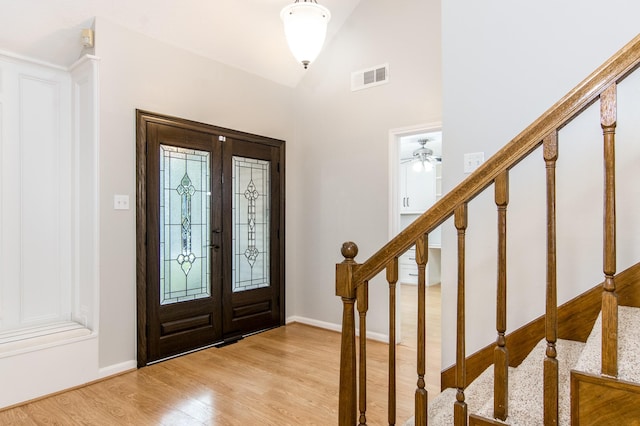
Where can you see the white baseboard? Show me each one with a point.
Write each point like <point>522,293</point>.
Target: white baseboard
<point>112,370</point>
<point>48,370</point>
<point>384,338</point>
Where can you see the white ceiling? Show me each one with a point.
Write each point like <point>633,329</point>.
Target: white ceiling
<point>246,34</point>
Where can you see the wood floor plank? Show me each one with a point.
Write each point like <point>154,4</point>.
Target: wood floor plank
<point>285,376</point>
<point>15,416</point>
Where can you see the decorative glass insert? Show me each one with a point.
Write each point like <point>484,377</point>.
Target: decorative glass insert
<point>251,217</point>
<point>185,205</point>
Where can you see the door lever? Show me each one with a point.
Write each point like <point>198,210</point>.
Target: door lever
<point>216,246</point>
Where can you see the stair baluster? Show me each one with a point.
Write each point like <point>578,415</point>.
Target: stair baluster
<point>421,393</point>
<point>362,297</point>
<point>346,289</point>
<point>608,120</point>
<point>550,153</point>
<point>392,279</point>
<point>460,406</point>
<point>501,353</point>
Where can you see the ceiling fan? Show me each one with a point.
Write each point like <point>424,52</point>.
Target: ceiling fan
<point>422,157</point>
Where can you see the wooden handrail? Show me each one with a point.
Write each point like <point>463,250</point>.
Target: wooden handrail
<point>556,117</point>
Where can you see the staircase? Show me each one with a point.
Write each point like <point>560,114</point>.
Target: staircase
<point>525,394</point>
<point>558,369</point>
<point>575,359</point>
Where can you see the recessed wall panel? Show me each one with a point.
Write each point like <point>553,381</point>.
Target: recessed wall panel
<point>1,207</point>
<point>40,197</point>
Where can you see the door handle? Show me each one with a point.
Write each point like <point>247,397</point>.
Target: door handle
<point>217,233</point>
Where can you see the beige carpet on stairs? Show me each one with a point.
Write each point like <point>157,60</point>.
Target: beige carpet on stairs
<point>628,346</point>
<point>526,385</point>
<point>476,394</point>
<point>526,381</point>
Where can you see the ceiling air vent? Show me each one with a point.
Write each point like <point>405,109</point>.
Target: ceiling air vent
<point>369,77</point>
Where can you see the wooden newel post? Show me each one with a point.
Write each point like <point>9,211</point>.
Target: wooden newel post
<point>346,289</point>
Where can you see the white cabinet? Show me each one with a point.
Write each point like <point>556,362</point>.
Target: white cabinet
<point>417,189</point>
<point>407,268</point>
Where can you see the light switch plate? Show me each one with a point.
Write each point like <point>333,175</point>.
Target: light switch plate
<point>120,202</point>
<point>472,161</point>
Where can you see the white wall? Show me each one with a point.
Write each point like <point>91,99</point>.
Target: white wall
<point>139,72</point>
<point>338,174</point>
<point>504,64</point>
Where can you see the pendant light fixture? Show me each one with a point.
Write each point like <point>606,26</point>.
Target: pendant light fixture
<point>305,26</point>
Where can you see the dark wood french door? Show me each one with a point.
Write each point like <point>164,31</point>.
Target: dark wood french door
<point>210,235</point>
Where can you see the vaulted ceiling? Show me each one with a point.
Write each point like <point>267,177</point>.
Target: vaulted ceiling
<point>246,34</point>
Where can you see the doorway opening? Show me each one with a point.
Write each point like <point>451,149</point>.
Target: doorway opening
<point>210,235</point>
<point>415,155</point>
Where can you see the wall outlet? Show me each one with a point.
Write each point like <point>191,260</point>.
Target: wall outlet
<point>121,202</point>
<point>472,161</point>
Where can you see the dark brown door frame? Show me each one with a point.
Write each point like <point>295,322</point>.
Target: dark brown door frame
<point>143,118</point>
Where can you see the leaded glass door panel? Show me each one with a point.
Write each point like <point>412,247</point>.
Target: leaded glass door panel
<point>185,226</point>
<point>250,221</point>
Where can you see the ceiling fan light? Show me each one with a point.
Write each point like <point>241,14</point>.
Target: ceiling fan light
<point>422,162</point>
<point>305,27</point>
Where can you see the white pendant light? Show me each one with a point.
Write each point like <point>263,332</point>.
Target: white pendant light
<point>305,26</point>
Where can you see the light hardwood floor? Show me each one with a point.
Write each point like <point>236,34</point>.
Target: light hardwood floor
<point>285,376</point>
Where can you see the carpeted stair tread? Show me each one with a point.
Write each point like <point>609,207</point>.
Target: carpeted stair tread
<point>526,382</point>
<point>628,346</point>
<point>441,408</point>
<point>526,385</point>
